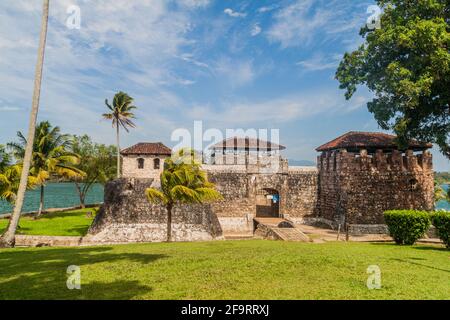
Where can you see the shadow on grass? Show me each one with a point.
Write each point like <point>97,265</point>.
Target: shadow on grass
<point>420,246</point>
<point>41,274</point>
<point>407,260</point>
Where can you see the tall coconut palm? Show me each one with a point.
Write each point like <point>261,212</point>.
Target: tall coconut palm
<point>182,182</point>
<point>8,238</point>
<point>120,115</point>
<point>50,155</point>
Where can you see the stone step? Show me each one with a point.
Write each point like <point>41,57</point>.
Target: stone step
<point>290,234</point>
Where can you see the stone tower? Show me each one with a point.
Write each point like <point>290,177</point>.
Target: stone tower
<point>144,160</point>
<point>362,174</point>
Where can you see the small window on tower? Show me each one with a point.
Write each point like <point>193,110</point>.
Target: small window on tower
<point>156,163</point>
<point>140,163</point>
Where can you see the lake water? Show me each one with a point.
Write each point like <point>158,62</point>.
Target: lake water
<point>444,205</point>
<point>57,195</point>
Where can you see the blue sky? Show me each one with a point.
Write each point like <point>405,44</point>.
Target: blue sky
<point>231,64</point>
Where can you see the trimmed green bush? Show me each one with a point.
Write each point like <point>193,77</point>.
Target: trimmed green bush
<point>441,220</point>
<point>407,226</point>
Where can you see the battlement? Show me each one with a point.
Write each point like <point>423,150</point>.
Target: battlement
<point>341,160</point>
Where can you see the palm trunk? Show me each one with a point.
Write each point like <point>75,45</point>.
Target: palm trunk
<point>169,223</point>
<point>118,150</point>
<point>41,202</point>
<point>8,238</point>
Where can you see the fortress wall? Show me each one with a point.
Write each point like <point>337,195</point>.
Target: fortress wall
<point>297,190</point>
<point>301,195</point>
<point>127,216</point>
<point>358,188</point>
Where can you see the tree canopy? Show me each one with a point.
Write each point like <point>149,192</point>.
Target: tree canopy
<point>406,64</point>
<point>98,162</point>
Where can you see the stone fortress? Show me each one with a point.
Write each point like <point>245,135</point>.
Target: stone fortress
<point>358,176</point>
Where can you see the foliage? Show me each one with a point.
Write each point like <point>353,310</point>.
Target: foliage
<point>121,111</point>
<point>406,64</point>
<point>442,177</point>
<point>182,181</point>
<point>98,162</point>
<point>50,155</point>
<point>50,152</point>
<point>441,220</point>
<point>10,180</point>
<point>230,270</point>
<point>5,158</point>
<point>407,226</point>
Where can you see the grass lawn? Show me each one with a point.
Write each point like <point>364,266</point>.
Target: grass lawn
<point>70,223</point>
<point>227,270</point>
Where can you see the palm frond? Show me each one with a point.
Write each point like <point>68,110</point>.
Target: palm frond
<point>155,196</point>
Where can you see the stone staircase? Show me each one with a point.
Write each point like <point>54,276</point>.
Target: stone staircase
<point>290,234</point>
<point>278,229</point>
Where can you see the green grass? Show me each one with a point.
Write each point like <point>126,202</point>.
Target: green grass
<point>70,223</point>
<point>227,270</point>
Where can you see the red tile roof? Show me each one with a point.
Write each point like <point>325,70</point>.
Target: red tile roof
<point>243,143</point>
<point>147,148</point>
<point>369,140</point>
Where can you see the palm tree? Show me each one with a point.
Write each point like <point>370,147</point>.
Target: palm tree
<point>182,182</point>
<point>121,116</point>
<point>10,181</point>
<point>8,238</point>
<point>50,155</point>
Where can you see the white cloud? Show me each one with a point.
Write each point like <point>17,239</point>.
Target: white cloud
<point>128,45</point>
<point>267,8</point>
<point>305,21</point>
<point>234,14</point>
<point>279,110</point>
<point>194,3</point>
<point>296,23</point>
<point>320,62</point>
<point>255,30</point>
<point>235,72</point>
<point>190,58</point>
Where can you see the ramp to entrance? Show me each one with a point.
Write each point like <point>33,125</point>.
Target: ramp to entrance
<point>278,229</point>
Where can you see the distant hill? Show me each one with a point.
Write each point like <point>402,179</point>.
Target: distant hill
<point>302,163</point>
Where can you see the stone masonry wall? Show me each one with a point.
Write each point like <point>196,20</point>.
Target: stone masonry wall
<point>358,188</point>
<point>127,216</point>
<point>130,167</point>
<point>297,190</point>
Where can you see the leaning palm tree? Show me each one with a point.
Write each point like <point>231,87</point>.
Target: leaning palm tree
<point>182,182</point>
<point>8,238</point>
<point>121,115</point>
<point>50,155</point>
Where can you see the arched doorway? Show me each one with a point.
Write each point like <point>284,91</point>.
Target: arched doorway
<point>268,203</point>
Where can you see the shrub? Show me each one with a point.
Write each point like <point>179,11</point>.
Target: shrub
<point>407,226</point>
<point>441,220</point>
